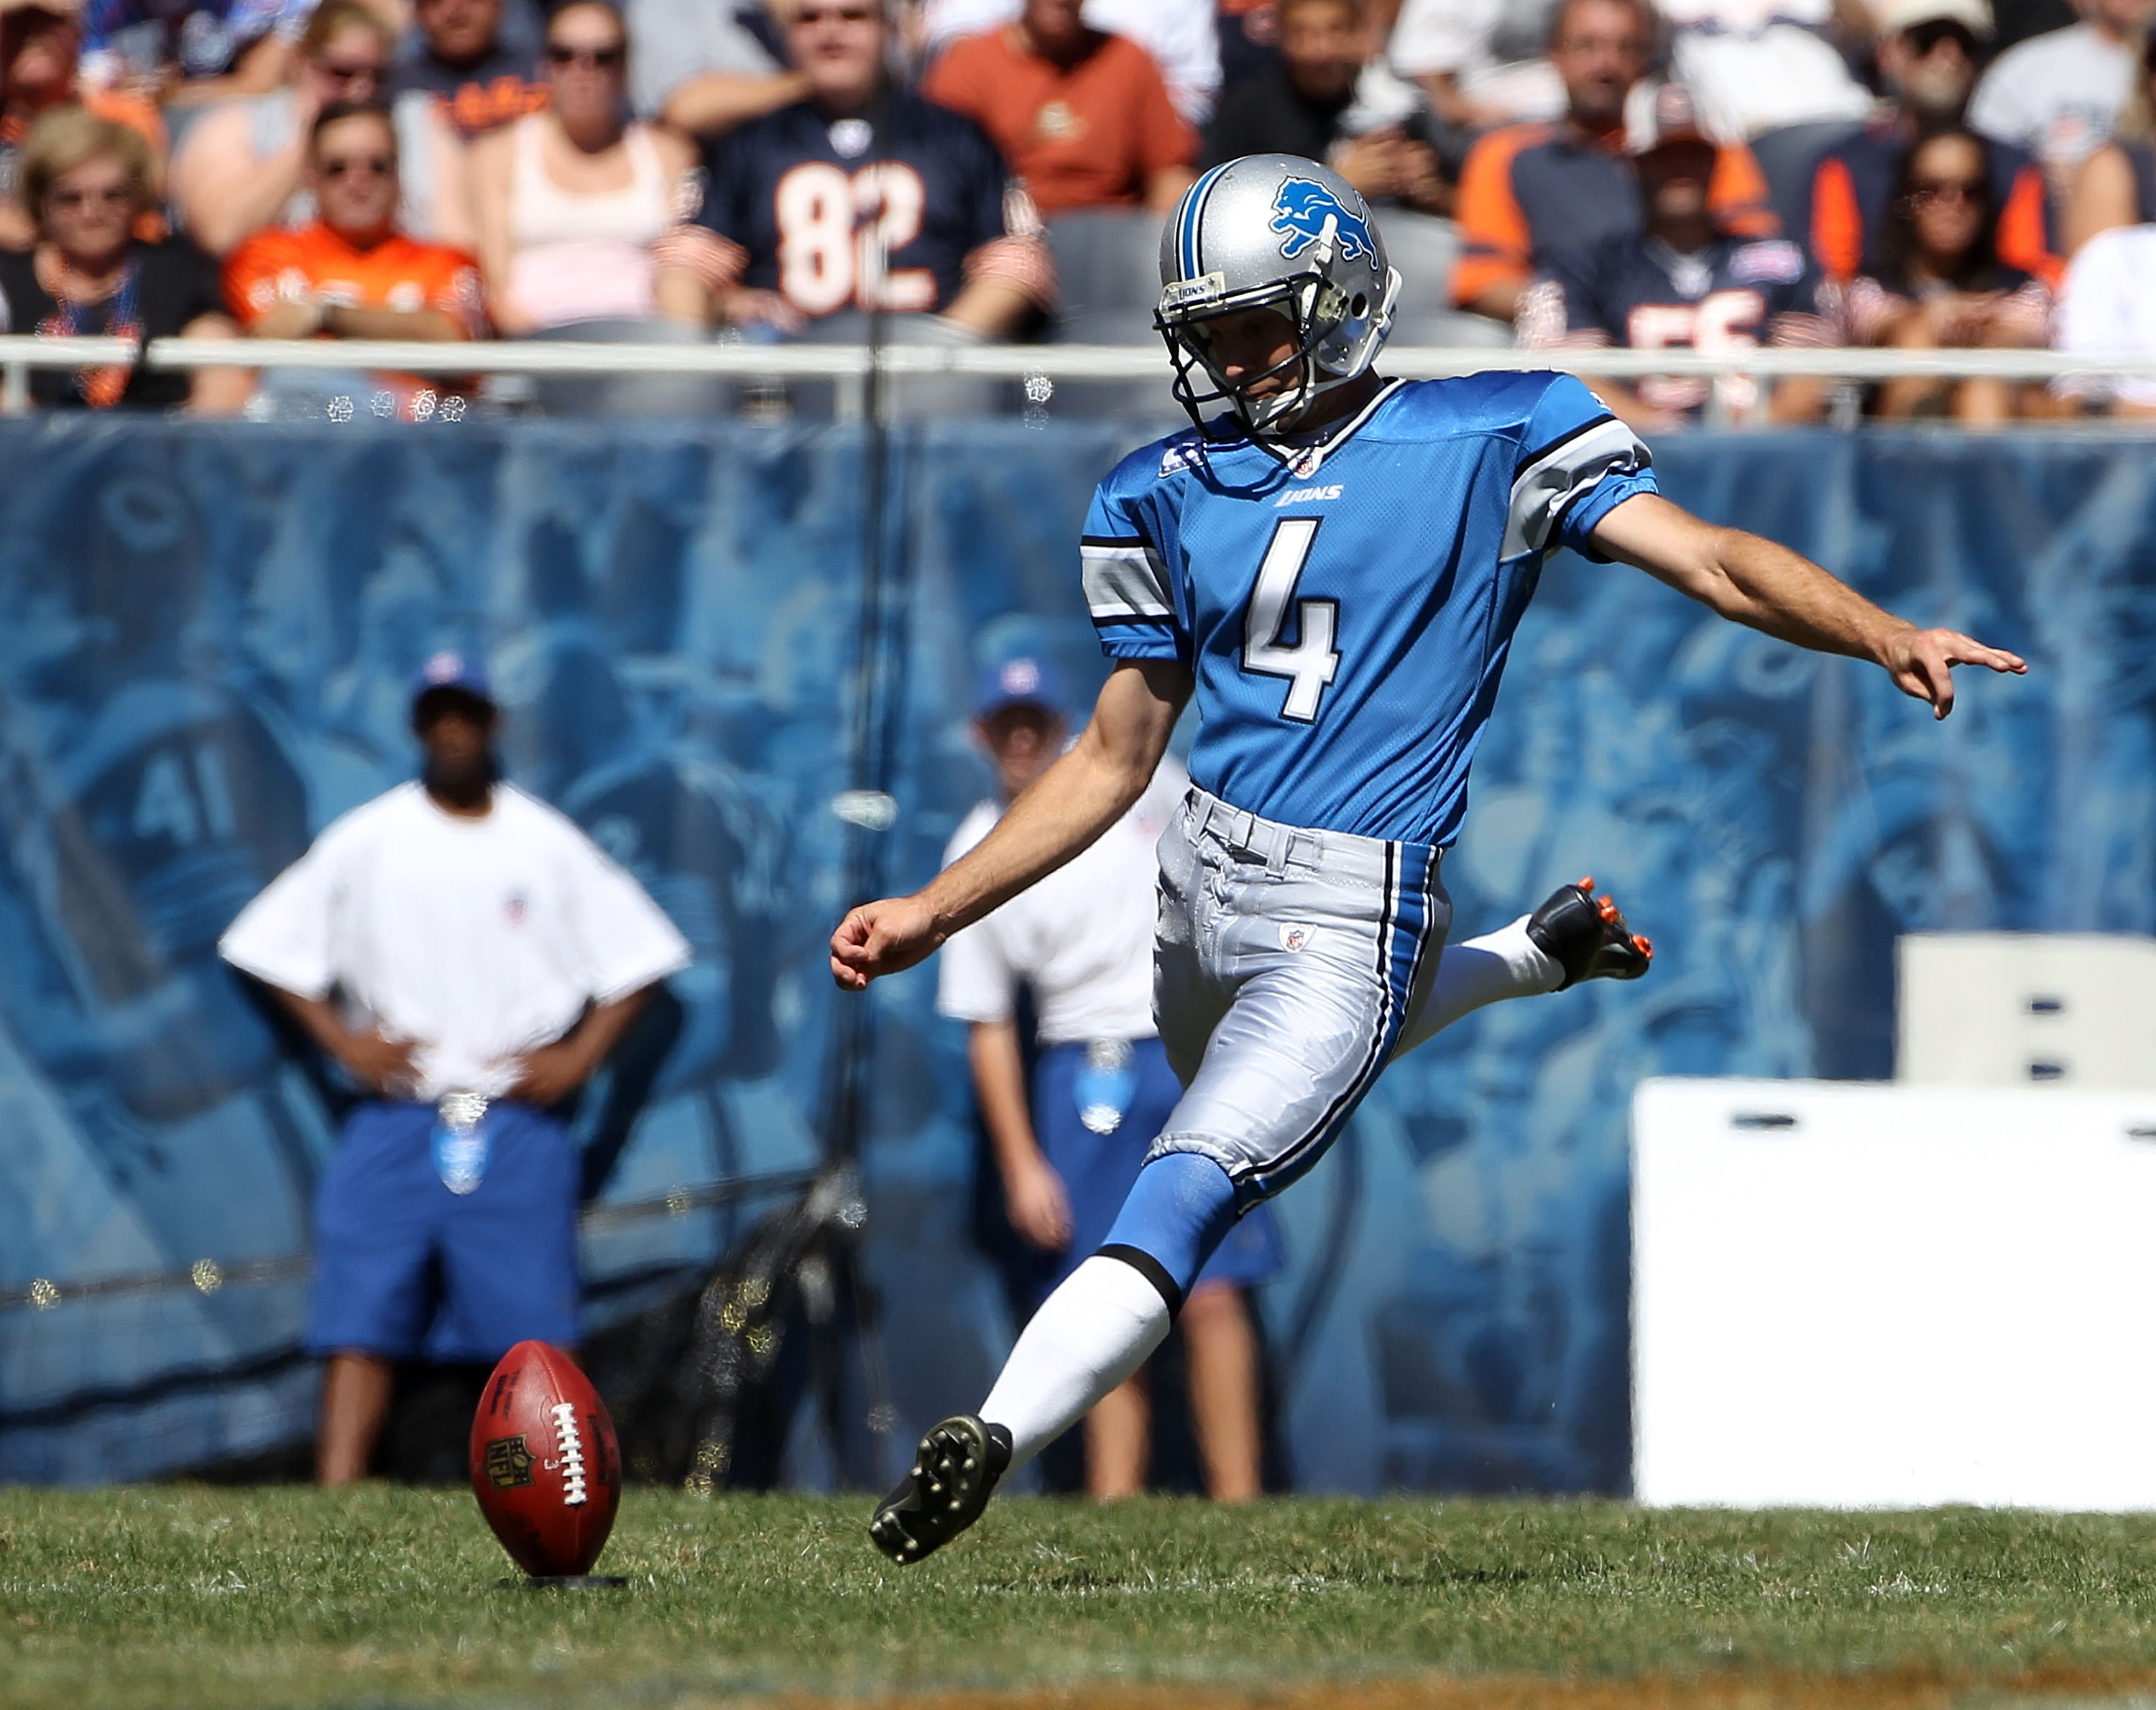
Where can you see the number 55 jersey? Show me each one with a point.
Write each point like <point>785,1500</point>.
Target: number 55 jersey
<point>1347,615</point>
<point>843,214</point>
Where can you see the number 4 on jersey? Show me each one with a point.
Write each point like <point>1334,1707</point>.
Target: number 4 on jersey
<point>1309,663</point>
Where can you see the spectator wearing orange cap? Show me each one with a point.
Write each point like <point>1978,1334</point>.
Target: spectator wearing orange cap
<point>41,69</point>
<point>1083,117</point>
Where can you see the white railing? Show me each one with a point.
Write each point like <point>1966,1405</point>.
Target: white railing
<point>850,365</point>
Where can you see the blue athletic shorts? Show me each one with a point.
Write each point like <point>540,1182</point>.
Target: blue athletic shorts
<point>404,1267</point>
<point>1098,1170</point>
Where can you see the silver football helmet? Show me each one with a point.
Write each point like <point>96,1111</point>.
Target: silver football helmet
<point>1273,232</point>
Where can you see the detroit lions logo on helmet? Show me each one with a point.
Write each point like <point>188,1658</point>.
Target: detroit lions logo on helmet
<point>1300,209</point>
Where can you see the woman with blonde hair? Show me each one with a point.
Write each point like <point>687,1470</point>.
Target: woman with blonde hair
<point>86,181</point>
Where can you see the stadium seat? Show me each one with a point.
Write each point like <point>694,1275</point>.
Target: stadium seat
<point>1108,273</point>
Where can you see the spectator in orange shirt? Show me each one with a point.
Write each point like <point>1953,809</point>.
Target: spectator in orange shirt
<point>1528,190</point>
<point>41,69</point>
<point>352,273</point>
<point>1082,116</point>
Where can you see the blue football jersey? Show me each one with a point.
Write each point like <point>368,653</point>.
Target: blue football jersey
<point>1348,620</point>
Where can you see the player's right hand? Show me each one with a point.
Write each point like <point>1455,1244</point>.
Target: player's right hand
<point>882,937</point>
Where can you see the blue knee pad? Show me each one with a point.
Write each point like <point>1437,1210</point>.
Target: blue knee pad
<point>1181,1207</point>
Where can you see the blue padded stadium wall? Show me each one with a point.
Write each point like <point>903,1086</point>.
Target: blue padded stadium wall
<point>205,634</point>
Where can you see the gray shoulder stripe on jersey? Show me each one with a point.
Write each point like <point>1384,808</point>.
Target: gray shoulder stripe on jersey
<point>1125,582</point>
<point>1544,490</point>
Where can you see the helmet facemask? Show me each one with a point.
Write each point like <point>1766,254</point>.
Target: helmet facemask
<point>1331,346</point>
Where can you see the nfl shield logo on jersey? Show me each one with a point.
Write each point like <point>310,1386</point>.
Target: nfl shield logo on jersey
<point>1304,212</point>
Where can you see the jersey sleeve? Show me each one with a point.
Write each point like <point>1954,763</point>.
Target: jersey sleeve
<point>286,936</point>
<point>974,979</point>
<point>1126,583</point>
<point>623,941</point>
<point>1577,463</point>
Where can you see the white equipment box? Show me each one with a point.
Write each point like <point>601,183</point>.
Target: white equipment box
<point>1854,1295</point>
<point>2018,1009</point>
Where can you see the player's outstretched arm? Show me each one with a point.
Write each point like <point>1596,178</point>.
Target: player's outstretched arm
<point>1755,582</point>
<point>1068,807</point>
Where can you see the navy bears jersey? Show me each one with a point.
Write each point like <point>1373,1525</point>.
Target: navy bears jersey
<point>1348,618</point>
<point>1636,292</point>
<point>811,204</point>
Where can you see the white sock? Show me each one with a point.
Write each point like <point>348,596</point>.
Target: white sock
<point>1102,1325</point>
<point>1505,963</point>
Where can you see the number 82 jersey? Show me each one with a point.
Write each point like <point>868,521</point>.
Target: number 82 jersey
<point>1348,618</point>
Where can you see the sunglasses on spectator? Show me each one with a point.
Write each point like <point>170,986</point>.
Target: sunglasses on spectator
<point>342,165</point>
<point>590,59</point>
<point>1923,38</point>
<point>368,73</point>
<point>836,14</point>
<point>114,196</point>
<point>1926,191</point>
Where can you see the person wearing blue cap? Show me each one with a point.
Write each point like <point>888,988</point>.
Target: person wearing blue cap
<point>469,957</point>
<point>1082,942</point>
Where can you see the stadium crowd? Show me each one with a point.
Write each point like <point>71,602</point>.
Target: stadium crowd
<point>1911,174</point>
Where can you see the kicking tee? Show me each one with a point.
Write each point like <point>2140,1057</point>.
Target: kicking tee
<point>1347,617</point>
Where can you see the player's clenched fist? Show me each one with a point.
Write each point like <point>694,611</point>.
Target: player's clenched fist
<point>882,937</point>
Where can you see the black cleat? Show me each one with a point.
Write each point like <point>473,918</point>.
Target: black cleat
<point>1588,937</point>
<point>954,1471</point>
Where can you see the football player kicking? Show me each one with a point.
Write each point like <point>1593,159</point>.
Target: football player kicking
<point>1335,568</point>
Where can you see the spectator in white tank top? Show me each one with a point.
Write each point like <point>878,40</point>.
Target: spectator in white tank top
<point>572,200</point>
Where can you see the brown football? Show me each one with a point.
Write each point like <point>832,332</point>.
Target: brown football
<point>545,1464</point>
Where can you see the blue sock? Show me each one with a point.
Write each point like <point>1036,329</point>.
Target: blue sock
<point>1178,1211</point>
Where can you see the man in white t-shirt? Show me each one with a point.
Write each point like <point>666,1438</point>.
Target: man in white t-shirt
<point>470,957</point>
<point>1082,941</point>
<point>2058,94</point>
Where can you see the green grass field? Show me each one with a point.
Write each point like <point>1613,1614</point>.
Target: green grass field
<point>194,1596</point>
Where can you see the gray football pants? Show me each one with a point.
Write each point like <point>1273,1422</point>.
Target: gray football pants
<point>1289,967</point>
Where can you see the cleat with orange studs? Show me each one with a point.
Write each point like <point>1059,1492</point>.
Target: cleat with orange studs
<point>1588,937</point>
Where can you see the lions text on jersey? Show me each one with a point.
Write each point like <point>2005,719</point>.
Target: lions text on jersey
<point>1347,617</point>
